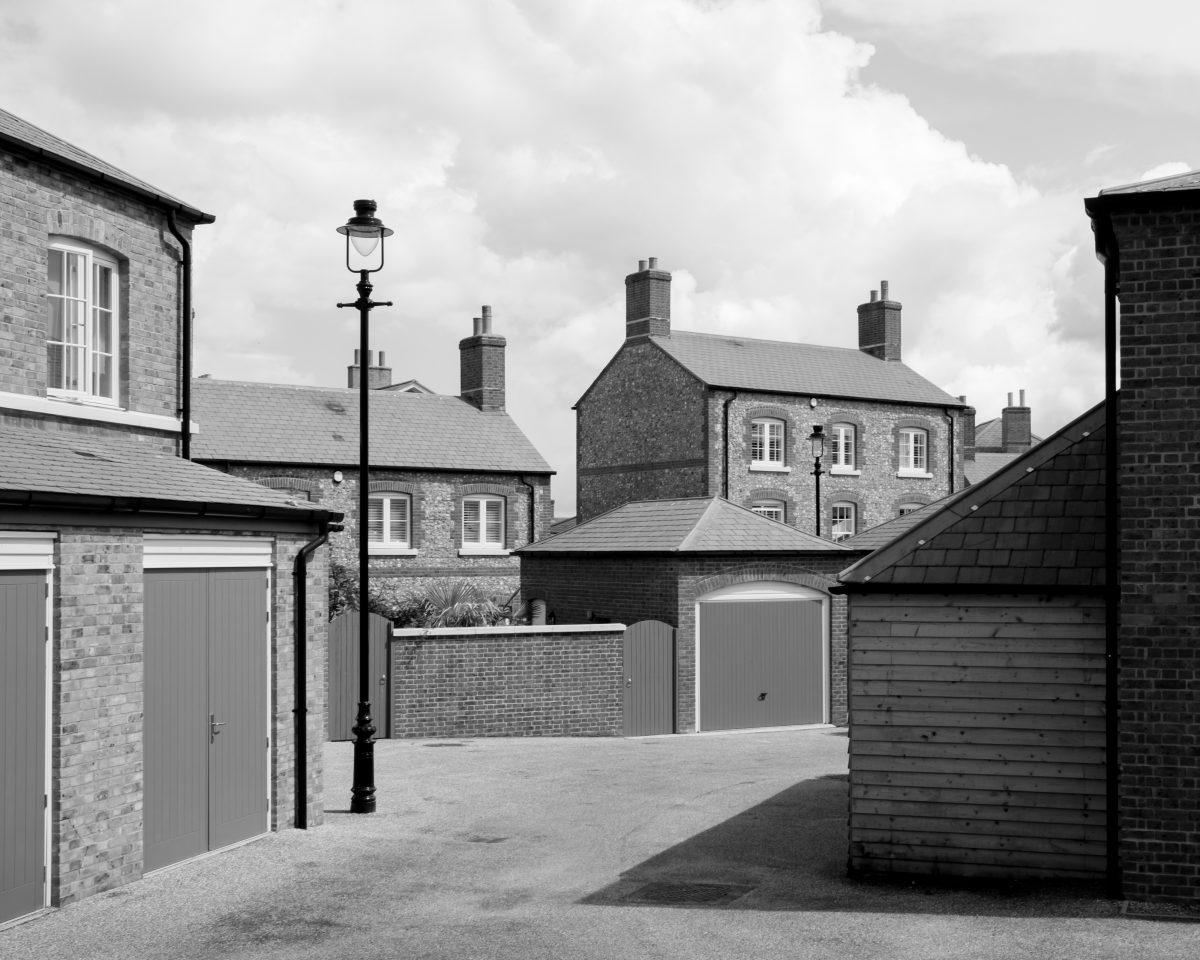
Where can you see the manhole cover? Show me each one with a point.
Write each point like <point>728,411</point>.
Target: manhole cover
<point>670,893</point>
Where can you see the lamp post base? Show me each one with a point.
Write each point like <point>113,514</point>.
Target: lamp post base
<point>362,792</point>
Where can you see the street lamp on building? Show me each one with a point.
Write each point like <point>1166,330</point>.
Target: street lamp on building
<point>366,233</point>
<point>817,441</point>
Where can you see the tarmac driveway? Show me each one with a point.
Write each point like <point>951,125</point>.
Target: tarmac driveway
<point>694,846</point>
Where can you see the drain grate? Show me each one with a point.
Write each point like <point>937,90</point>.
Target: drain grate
<point>675,894</point>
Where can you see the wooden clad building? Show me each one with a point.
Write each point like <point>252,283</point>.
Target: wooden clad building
<point>976,673</point>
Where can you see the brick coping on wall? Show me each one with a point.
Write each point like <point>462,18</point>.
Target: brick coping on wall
<point>512,629</point>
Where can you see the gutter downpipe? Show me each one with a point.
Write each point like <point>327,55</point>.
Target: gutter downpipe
<point>185,336</point>
<point>532,505</point>
<point>725,468</point>
<point>950,456</point>
<point>300,671</point>
<point>1112,571</point>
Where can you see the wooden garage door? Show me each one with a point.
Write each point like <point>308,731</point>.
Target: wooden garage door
<point>206,711</point>
<point>22,742</point>
<point>761,663</point>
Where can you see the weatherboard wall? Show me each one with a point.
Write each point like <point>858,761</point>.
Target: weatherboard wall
<point>977,734</point>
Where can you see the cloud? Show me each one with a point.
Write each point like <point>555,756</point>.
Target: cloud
<point>527,155</point>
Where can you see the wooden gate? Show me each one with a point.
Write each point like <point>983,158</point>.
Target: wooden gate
<point>649,702</point>
<point>22,742</point>
<point>206,706</point>
<point>342,678</point>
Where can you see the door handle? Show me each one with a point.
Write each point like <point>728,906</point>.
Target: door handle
<point>213,723</point>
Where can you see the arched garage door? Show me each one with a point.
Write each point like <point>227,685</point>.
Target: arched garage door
<point>761,657</point>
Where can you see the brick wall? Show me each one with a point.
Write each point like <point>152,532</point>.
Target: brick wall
<point>507,682</point>
<point>640,432</point>
<point>98,694</point>
<point>632,588</point>
<point>876,490</point>
<point>435,504</point>
<point>1159,657</point>
<point>38,202</point>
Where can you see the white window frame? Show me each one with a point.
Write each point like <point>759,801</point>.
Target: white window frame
<point>92,261</point>
<point>761,436</point>
<point>850,517</point>
<point>839,461</point>
<point>912,465</point>
<point>483,544</point>
<point>771,509</point>
<point>387,546</point>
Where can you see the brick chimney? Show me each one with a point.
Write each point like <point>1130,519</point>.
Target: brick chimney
<point>481,365</point>
<point>378,377</point>
<point>648,301</point>
<point>967,419</point>
<point>1016,426</point>
<point>879,325</point>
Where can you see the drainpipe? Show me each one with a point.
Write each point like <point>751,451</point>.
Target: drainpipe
<point>950,457</point>
<point>299,669</point>
<point>1112,566</point>
<point>725,471</point>
<point>185,336</point>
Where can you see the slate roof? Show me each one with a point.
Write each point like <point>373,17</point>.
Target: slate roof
<point>1180,181</point>
<point>985,464</point>
<point>692,525</point>
<point>882,533</point>
<point>1038,522</point>
<point>24,136</point>
<point>777,366</point>
<point>40,462</point>
<point>990,433</point>
<point>281,423</point>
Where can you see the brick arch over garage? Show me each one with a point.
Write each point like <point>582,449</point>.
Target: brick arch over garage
<point>818,573</point>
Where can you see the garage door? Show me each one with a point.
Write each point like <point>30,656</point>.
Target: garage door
<point>761,660</point>
<point>25,565</point>
<point>206,711</point>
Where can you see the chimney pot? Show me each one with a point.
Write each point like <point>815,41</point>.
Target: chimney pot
<point>1022,398</point>
<point>1010,400</point>
<point>874,295</point>
<point>357,358</point>
<point>641,266</point>
<point>487,319</point>
<point>883,289</point>
<point>654,263</point>
<point>476,326</point>
<point>382,362</point>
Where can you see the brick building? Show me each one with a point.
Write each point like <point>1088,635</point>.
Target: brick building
<point>681,414</point>
<point>758,640</point>
<point>138,591</point>
<point>455,484</point>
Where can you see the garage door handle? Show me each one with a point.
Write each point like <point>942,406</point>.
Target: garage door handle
<point>213,723</point>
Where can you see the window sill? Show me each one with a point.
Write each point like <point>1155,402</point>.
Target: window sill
<point>914,474</point>
<point>483,552</point>
<point>76,409</point>
<point>380,550</point>
<point>761,467</point>
<point>844,472</point>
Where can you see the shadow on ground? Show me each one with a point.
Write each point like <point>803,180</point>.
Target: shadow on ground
<point>789,853</point>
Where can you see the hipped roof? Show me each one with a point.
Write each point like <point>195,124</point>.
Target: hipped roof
<point>692,525</point>
<point>287,424</point>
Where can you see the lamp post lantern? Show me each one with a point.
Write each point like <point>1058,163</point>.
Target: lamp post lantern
<point>367,233</point>
<point>817,441</point>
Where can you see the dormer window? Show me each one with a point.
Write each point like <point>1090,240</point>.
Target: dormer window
<point>766,444</point>
<point>82,339</point>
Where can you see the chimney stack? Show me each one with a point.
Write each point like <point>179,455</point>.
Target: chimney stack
<point>481,365</point>
<point>648,301</point>
<point>879,325</point>
<point>1016,426</point>
<point>378,377</point>
<point>968,430</point>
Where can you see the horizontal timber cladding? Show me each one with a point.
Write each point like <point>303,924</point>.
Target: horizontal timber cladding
<point>977,735</point>
<point>553,681</point>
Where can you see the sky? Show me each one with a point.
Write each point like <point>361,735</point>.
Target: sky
<point>779,157</point>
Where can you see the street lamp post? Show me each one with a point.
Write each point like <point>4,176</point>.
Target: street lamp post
<point>366,232</point>
<point>817,441</point>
